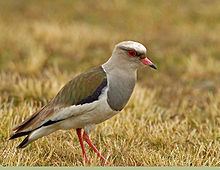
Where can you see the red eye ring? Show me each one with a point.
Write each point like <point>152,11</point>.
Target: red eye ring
<point>132,53</point>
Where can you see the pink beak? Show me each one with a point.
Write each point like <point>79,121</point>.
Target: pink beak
<point>146,61</point>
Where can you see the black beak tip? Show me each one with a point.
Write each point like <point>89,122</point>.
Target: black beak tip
<point>153,66</point>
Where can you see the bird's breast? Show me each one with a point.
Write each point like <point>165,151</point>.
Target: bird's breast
<point>119,91</point>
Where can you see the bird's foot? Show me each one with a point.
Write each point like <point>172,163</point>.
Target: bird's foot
<point>86,160</point>
<point>105,163</point>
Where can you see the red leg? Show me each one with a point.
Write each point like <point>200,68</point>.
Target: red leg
<point>79,133</point>
<point>87,139</point>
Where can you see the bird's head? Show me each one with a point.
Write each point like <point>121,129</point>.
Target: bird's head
<point>133,54</point>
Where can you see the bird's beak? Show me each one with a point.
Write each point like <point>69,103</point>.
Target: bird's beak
<point>146,61</point>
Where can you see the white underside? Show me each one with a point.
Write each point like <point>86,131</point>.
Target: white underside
<point>87,114</point>
<point>80,116</point>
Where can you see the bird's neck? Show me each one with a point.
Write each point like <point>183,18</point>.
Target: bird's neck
<point>121,82</point>
<point>120,68</point>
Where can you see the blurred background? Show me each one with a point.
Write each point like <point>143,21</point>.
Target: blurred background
<point>43,44</point>
<point>182,38</point>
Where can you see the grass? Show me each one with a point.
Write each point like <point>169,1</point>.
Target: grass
<point>173,117</point>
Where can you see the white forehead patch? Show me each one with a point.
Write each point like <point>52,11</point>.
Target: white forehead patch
<point>133,45</point>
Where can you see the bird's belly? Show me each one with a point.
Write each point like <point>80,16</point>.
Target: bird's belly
<point>100,112</point>
<point>100,115</point>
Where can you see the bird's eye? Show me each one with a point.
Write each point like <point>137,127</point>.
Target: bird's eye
<point>132,53</point>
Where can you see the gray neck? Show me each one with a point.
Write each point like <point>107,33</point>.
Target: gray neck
<point>121,78</point>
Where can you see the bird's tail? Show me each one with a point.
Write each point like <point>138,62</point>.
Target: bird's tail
<point>23,129</point>
<point>33,135</point>
<point>25,142</point>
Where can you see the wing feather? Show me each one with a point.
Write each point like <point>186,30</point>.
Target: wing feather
<point>84,88</point>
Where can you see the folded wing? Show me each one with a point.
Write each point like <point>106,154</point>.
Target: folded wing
<point>85,88</point>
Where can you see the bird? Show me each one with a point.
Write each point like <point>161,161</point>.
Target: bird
<point>89,98</point>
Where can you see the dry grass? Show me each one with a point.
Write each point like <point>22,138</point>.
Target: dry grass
<point>173,117</point>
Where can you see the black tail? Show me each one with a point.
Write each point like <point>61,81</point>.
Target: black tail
<point>17,135</point>
<point>24,143</point>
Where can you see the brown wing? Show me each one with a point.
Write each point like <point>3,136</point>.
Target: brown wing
<point>82,89</point>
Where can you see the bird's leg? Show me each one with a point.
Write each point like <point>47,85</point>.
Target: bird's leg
<point>87,139</point>
<point>79,133</point>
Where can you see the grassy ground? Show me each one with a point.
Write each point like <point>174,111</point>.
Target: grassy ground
<point>173,117</point>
